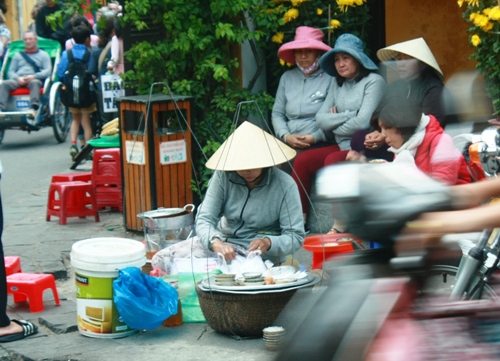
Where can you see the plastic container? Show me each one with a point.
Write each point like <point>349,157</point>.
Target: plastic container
<point>96,262</point>
<point>164,227</point>
<point>326,246</point>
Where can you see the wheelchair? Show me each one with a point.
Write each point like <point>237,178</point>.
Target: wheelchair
<point>51,113</point>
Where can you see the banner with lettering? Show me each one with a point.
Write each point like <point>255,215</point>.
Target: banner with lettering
<point>112,88</point>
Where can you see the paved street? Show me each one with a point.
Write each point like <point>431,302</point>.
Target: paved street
<point>29,160</point>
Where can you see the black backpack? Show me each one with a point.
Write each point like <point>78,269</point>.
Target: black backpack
<point>78,91</point>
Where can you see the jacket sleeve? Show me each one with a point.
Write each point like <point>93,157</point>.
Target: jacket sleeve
<point>291,223</point>
<point>278,115</point>
<point>354,121</point>
<point>445,160</point>
<point>14,65</point>
<point>45,69</point>
<point>210,211</point>
<point>63,66</point>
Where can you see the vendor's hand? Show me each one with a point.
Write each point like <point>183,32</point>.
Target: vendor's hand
<point>225,249</point>
<point>374,140</point>
<point>352,155</point>
<point>299,141</point>
<point>22,80</point>
<point>261,244</point>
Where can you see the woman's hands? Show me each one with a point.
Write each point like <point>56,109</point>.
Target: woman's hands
<point>261,244</point>
<point>352,155</point>
<point>374,140</point>
<point>225,249</point>
<point>299,141</point>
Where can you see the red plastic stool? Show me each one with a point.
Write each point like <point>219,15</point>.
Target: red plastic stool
<point>30,286</point>
<point>72,177</point>
<point>71,199</point>
<point>106,167</point>
<point>12,265</point>
<point>109,197</point>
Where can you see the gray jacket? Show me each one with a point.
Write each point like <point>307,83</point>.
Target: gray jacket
<point>238,215</point>
<point>355,104</point>
<point>298,99</point>
<point>20,67</point>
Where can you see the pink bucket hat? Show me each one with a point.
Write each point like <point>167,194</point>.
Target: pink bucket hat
<point>305,38</point>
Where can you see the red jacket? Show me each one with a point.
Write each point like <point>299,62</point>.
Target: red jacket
<point>437,156</point>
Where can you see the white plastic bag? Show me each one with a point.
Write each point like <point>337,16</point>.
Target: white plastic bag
<point>252,263</point>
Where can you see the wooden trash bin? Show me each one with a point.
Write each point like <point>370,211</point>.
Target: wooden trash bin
<point>156,154</point>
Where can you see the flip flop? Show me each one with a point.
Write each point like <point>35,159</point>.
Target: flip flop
<point>28,329</point>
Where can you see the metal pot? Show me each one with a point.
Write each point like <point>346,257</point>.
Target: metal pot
<point>168,218</point>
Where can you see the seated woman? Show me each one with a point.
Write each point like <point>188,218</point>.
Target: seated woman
<point>301,92</point>
<point>249,205</point>
<point>420,79</point>
<point>353,96</point>
<point>416,137</point>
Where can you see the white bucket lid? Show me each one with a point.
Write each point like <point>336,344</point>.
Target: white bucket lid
<point>107,254</point>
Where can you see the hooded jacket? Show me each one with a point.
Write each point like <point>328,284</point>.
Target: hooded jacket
<point>236,214</point>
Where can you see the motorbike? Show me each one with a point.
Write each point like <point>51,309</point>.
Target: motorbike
<point>379,306</point>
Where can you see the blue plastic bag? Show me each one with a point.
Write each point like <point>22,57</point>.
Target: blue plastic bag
<point>143,302</point>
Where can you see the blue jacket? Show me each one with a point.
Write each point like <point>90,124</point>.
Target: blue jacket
<point>78,52</point>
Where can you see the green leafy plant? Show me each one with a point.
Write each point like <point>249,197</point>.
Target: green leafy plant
<point>484,36</point>
<point>199,54</point>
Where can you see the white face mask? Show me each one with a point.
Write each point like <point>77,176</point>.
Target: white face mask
<point>311,69</point>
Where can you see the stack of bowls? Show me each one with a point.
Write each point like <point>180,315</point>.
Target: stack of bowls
<point>253,279</point>
<point>274,337</point>
<point>224,279</point>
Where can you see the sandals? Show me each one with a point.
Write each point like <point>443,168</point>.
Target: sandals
<point>29,328</point>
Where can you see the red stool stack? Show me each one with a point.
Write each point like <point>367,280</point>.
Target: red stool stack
<point>12,265</point>
<point>107,178</point>
<point>30,286</point>
<point>71,199</point>
<point>72,177</point>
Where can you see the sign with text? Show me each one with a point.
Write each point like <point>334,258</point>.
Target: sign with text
<point>135,152</point>
<point>112,88</point>
<point>173,152</point>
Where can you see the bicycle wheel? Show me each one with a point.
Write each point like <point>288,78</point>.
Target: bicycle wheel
<point>61,117</point>
<point>441,280</point>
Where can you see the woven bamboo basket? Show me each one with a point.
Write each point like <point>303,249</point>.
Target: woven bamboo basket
<point>242,315</point>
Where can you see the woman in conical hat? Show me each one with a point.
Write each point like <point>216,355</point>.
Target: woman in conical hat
<point>301,92</point>
<point>250,204</point>
<point>421,81</point>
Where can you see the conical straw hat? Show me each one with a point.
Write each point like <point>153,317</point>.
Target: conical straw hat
<point>250,147</point>
<point>416,48</point>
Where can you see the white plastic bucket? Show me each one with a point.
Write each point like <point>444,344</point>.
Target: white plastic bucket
<point>96,262</point>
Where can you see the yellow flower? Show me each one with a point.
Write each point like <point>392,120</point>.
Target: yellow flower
<point>493,13</point>
<point>282,62</point>
<point>460,2</point>
<point>290,15</point>
<point>479,20</point>
<point>278,38</point>
<point>319,11</point>
<point>473,2</point>
<point>475,40</point>
<point>297,2</point>
<point>487,27</point>
<point>334,24</point>
<point>343,5</point>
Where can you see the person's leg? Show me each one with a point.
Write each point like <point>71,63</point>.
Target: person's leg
<point>34,87</point>
<point>73,131</point>
<point>5,88</point>
<point>305,167</point>
<point>87,126</point>
<point>4,319</point>
<point>336,157</point>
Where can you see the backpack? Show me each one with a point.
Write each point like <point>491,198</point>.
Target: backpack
<point>77,92</point>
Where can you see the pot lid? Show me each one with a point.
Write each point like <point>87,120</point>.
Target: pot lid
<point>166,212</point>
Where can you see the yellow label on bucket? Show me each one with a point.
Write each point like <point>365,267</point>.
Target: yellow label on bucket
<point>97,315</point>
